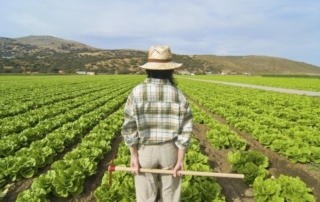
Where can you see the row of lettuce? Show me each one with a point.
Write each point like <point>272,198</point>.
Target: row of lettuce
<point>253,164</point>
<point>26,161</point>
<point>194,188</point>
<point>32,117</point>
<point>24,95</point>
<point>34,147</point>
<point>299,83</point>
<point>58,126</point>
<point>287,124</point>
<point>39,123</point>
<point>25,103</point>
<point>67,176</point>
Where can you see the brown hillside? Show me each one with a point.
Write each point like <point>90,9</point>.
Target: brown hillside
<point>261,64</point>
<point>47,54</point>
<point>52,42</point>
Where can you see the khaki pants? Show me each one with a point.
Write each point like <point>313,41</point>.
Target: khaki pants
<point>162,156</point>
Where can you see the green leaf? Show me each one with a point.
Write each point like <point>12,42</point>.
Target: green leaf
<point>67,182</point>
<point>257,158</point>
<point>44,181</point>
<point>251,171</point>
<point>27,166</point>
<point>296,154</point>
<point>37,195</point>
<point>315,154</point>
<point>293,189</point>
<point>266,190</point>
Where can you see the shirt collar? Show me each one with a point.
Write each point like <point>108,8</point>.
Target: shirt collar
<point>157,81</point>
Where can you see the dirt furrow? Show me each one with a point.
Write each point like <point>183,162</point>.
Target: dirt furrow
<point>278,164</point>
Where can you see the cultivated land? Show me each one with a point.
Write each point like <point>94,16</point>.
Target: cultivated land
<point>59,133</point>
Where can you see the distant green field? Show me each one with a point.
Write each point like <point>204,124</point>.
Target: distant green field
<point>300,83</point>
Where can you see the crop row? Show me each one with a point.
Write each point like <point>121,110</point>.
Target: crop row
<point>13,142</point>
<point>253,165</point>
<point>220,136</point>
<point>50,113</point>
<point>36,95</point>
<point>26,162</point>
<point>312,84</point>
<point>245,109</point>
<point>18,106</point>
<point>193,187</point>
<point>23,89</point>
<point>67,176</point>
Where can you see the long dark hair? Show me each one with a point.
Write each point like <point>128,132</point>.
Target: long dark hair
<point>162,74</point>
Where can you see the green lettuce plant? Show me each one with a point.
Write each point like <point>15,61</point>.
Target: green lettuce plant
<point>251,163</point>
<point>38,195</point>
<point>298,154</point>
<point>295,190</point>
<point>315,154</point>
<point>266,190</point>
<point>284,188</point>
<point>67,182</point>
<point>251,171</point>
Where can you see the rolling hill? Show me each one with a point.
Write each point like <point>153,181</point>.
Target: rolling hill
<point>47,54</point>
<point>261,64</point>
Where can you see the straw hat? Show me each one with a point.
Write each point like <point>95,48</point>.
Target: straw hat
<point>159,58</point>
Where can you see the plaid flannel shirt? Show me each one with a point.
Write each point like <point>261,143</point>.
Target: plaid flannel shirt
<point>157,112</point>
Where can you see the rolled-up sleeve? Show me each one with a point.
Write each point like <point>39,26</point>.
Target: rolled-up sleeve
<point>184,136</point>
<point>129,128</point>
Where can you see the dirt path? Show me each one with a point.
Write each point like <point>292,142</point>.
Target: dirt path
<point>281,90</point>
<point>235,190</point>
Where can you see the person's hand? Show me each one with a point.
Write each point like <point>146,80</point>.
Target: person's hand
<point>179,164</point>
<point>134,164</point>
<point>178,167</point>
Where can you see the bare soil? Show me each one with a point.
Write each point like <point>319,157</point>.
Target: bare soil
<point>235,190</point>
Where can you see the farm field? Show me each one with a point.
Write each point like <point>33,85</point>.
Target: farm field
<point>58,135</point>
<point>299,83</point>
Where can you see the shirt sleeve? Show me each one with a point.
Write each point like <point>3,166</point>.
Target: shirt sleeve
<point>183,139</point>
<point>129,128</point>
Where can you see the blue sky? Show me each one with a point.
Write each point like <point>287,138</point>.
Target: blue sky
<point>287,28</point>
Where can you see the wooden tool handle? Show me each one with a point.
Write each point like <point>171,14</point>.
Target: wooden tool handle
<point>183,172</point>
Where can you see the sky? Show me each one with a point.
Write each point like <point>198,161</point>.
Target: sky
<point>286,29</point>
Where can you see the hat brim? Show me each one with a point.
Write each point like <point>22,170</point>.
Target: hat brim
<point>161,66</point>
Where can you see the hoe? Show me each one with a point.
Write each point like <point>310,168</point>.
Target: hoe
<point>112,168</point>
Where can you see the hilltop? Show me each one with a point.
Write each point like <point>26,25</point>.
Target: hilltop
<point>43,45</point>
<point>47,54</point>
